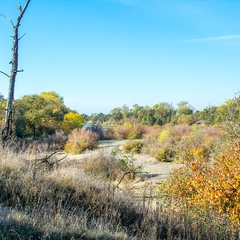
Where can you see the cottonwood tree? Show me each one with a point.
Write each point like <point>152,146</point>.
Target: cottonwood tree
<point>39,115</point>
<point>7,131</point>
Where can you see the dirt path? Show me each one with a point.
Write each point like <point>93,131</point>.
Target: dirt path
<point>157,171</point>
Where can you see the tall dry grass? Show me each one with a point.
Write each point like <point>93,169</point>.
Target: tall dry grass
<point>61,202</point>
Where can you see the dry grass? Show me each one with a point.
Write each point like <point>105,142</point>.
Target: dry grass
<point>104,165</point>
<point>64,203</point>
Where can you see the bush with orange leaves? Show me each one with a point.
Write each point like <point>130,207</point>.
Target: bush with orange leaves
<point>208,187</point>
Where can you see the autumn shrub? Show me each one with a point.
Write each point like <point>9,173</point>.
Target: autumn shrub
<point>80,140</point>
<point>102,165</point>
<point>164,135</point>
<point>108,133</point>
<point>57,140</point>
<point>210,188</point>
<point>99,130</point>
<point>151,135</point>
<point>122,131</point>
<point>137,131</point>
<point>133,147</point>
<point>193,145</point>
<point>180,130</point>
<point>182,143</point>
<point>164,153</point>
<point>113,166</point>
<point>185,147</point>
<point>130,131</point>
<point>160,144</point>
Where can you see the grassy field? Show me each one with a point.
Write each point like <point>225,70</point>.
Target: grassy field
<point>43,198</point>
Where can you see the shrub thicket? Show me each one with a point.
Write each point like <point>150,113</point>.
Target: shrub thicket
<point>208,188</point>
<point>182,143</point>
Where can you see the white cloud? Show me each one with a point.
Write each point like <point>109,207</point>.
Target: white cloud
<point>213,39</point>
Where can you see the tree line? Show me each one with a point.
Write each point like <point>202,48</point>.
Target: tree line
<point>41,115</point>
<point>165,113</point>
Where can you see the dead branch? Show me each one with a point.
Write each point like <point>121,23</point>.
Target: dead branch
<point>10,20</point>
<point>47,157</point>
<point>5,74</point>
<point>22,36</point>
<point>46,160</point>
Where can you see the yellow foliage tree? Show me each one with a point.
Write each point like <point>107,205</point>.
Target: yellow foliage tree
<point>71,121</point>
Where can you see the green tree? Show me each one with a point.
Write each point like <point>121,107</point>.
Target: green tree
<point>163,113</point>
<point>148,118</point>
<point>184,108</point>
<point>71,121</point>
<point>136,112</point>
<point>228,117</point>
<point>207,115</point>
<point>125,112</point>
<point>97,118</point>
<point>116,114</point>
<point>184,113</point>
<point>38,115</point>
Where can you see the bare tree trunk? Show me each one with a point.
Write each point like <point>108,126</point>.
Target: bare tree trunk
<point>7,129</point>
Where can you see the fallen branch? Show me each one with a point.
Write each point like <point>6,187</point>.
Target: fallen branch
<point>47,160</point>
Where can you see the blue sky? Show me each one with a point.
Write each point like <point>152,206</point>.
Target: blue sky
<point>101,54</point>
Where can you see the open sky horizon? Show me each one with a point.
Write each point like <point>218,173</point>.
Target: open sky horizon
<point>101,54</point>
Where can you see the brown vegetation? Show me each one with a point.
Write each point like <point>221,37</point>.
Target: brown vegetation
<point>63,203</point>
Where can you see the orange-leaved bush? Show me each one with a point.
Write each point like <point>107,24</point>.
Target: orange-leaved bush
<point>214,187</point>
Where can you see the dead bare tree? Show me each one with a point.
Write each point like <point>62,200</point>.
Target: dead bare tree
<point>7,129</point>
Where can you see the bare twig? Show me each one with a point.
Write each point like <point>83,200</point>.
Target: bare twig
<point>10,20</point>
<point>22,36</point>
<point>5,74</point>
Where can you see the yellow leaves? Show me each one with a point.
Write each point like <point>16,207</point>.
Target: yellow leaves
<point>71,121</point>
<point>164,135</point>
